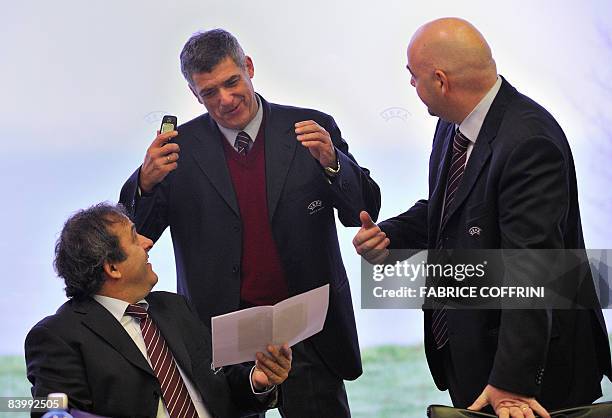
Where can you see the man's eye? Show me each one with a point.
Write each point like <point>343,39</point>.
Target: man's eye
<point>207,93</point>
<point>231,83</point>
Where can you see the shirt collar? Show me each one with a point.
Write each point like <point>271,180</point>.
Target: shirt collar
<point>116,307</point>
<point>471,125</point>
<point>252,127</point>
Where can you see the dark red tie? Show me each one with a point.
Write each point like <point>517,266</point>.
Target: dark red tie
<point>174,392</point>
<point>439,324</point>
<point>455,172</point>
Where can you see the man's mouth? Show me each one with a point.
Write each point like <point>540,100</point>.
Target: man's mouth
<point>233,110</point>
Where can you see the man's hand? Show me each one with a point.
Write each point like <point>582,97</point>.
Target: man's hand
<point>271,369</point>
<point>318,142</point>
<point>370,242</point>
<point>160,159</point>
<point>507,404</point>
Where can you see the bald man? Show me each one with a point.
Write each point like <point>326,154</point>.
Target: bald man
<point>501,175</point>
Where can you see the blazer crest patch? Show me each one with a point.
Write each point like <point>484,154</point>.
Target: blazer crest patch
<point>315,206</point>
<point>475,231</point>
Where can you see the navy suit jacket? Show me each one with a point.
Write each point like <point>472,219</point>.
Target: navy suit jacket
<point>85,352</point>
<point>519,191</point>
<point>198,203</point>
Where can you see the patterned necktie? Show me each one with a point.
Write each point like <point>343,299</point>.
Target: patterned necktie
<point>242,143</point>
<point>439,324</point>
<point>174,392</point>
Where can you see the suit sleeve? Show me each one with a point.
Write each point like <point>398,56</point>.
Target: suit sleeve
<point>54,366</point>
<point>354,190</point>
<point>148,212</point>
<point>533,205</point>
<point>409,229</point>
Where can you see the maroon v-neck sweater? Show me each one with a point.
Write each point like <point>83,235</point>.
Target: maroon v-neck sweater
<point>262,277</point>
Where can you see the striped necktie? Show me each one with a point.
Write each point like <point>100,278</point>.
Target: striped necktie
<point>174,392</point>
<point>439,324</point>
<point>242,143</point>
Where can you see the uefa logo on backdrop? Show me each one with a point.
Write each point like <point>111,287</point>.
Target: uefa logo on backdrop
<point>395,113</point>
<point>155,116</point>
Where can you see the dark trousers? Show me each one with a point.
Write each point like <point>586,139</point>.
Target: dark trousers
<point>312,389</point>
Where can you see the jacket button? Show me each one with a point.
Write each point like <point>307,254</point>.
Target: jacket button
<point>236,228</point>
<point>235,268</point>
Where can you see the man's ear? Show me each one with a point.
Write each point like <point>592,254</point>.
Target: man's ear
<point>111,270</point>
<point>249,66</point>
<point>441,81</point>
<point>194,93</point>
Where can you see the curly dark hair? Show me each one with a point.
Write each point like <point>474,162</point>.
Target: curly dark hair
<point>85,243</point>
<point>204,50</point>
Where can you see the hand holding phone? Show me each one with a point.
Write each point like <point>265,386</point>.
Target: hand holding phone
<point>161,157</point>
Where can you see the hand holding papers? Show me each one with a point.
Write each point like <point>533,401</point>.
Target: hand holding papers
<point>237,336</point>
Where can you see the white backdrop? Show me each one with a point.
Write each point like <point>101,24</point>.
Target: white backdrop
<point>84,85</point>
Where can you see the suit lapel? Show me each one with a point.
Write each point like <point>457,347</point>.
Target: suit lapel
<point>482,149</point>
<point>280,148</point>
<point>102,322</point>
<point>171,334</point>
<point>210,157</point>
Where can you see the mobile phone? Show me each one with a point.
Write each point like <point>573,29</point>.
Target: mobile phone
<point>168,124</point>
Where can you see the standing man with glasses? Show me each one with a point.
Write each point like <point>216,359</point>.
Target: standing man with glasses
<point>248,191</point>
<point>500,165</point>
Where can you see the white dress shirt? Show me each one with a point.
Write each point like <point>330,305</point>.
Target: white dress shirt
<point>471,125</point>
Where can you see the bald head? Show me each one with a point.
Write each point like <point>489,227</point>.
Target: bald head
<point>456,47</point>
<point>452,67</point>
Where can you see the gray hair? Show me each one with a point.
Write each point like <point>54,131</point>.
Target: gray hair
<point>204,50</point>
<point>85,243</point>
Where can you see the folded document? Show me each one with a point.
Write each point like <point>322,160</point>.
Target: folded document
<point>237,336</point>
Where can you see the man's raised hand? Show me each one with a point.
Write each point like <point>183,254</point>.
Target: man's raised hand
<point>160,159</point>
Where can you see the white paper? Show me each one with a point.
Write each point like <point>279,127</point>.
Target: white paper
<point>237,336</point>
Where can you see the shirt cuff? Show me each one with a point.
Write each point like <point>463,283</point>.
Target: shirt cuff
<point>265,392</point>
<point>144,194</point>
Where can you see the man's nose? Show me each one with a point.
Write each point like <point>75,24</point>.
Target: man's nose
<point>145,242</point>
<point>225,97</point>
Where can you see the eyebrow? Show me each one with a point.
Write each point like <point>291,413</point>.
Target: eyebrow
<point>408,67</point>
<point>205,90</point>
<point>231,79</point>
<point>133,232</point>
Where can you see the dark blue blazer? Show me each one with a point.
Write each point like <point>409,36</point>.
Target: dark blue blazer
<point>198,203</point>
<point>83,351</point>
<point>519,191</point>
